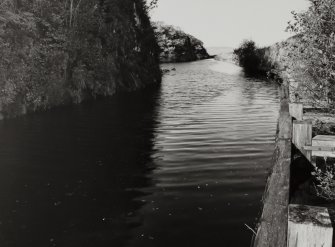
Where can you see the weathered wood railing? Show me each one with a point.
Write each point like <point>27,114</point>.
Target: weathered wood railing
<point>282,224</point>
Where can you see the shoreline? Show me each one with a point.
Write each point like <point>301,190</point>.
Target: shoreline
<point>169,62</point>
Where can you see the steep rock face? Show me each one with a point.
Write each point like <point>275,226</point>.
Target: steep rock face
<point>177,46</point>
<point>66,51</point>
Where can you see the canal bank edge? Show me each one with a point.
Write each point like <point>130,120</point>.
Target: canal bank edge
<point>272,228</point>
<point>96,49</point>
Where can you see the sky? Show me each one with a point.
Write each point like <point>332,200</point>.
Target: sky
<point>228,22</point>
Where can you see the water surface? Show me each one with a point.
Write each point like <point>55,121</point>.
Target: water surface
<point>180,165</point>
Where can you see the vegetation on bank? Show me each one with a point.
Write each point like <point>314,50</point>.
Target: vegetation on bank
<point>246,56</point>
<point>309,58</point>
<point>312,57</point>
<point>59,52</point>
<point>251,58</point>
<point>316,46</point>
<point>178,46</point>
<point>309,53</point>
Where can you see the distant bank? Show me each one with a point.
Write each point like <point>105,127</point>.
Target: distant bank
<point>221,53</point>
<point>178,46</point>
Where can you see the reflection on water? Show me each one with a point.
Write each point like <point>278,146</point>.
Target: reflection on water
<point>67,176</point>
<point>181,165</point>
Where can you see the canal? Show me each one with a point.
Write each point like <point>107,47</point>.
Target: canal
<point>183,164</point>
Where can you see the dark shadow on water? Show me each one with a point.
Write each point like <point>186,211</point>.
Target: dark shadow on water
<point>184,165</point>
<point>69,177</point>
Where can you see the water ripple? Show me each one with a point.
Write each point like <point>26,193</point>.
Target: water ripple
<point>214,141</point>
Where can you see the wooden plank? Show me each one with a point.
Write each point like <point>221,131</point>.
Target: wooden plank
<point>324,141</point>
<point>272,232</point>
<point>272,229</point>
<point>297,110</point>
<point>329,154</point>
<point>319,148</point>
<point>328,138</point>
<point>302,136</point>
<point>309,227</point>
<point>285,126</point>
<point>278,186</point>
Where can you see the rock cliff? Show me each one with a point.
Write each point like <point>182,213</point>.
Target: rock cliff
<point>177,46</point>
<point>66,51</point>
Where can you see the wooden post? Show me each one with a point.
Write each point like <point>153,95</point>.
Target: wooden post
<point>302,136</point>
<point>285,91</point>
<point>309,227</point>
<point>297,110</point>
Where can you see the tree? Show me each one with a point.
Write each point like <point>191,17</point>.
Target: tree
<point>55,52</point>
<point>316,43</point>
<point>152,4</point>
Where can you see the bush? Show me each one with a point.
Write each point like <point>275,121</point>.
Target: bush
<point>248,57</point>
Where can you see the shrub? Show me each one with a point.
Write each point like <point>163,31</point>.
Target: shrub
<point>248,57</point>
<point>325,182</point>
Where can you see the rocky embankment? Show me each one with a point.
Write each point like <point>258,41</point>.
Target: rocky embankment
<point>61,52</point>
<point>177,46</point>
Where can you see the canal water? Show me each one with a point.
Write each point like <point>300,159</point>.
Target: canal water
<point>183,164</point>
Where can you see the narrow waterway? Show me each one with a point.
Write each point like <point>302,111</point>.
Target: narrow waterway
<point>180,165</point>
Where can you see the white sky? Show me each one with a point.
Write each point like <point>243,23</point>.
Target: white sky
<point>228,22</point>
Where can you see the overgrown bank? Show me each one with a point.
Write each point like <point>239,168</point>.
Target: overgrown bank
<point>308,55</point>
<point>66,51</point>
<point>262,61</point>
